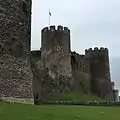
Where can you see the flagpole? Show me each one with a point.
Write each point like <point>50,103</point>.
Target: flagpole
<point>49,17</point>
<point>49,21</point>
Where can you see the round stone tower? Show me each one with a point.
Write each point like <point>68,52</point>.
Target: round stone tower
<point>100,71</point>
<point>15,37</point>
<point>56,53</point>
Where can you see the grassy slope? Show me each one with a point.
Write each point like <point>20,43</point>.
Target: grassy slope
<point>78,97</point>
<point>10,111</point>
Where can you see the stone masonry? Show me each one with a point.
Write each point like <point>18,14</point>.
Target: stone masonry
<point>15,36</point>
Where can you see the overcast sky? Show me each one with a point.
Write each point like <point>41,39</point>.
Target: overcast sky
<point>92,22</point>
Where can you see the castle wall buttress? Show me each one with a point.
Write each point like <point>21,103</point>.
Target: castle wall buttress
<point>15,37</point>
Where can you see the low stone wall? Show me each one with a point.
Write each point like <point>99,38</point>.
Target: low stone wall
<point>18,100</point>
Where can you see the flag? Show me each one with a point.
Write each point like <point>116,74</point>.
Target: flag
<point>49,13</point>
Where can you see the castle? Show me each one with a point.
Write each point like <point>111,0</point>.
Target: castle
<point>52,70</point>
<point>67,71</point>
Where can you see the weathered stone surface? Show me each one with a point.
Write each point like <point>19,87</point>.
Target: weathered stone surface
<point>15,27</point>
<point>15,76</point>
<point>45,87</point>
<point>15,37</point>
<point>81,72</point>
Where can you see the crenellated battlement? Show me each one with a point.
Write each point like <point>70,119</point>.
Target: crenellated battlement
<point>96,50</point>
<point>56,36</point>
<point>54,28</point>
<point>80,62</point>
<point>36,53</point>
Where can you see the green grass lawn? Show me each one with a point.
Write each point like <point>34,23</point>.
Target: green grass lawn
<point>11,111</point>
<point>79,96</point>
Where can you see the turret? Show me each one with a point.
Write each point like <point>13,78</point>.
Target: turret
<point>55,50</point>
<point>100,71</point>
<point>52,36</point>
<point>99,60</point>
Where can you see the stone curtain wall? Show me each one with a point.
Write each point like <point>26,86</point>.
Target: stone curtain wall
<point>81,72</point>
<point>15,33</point>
